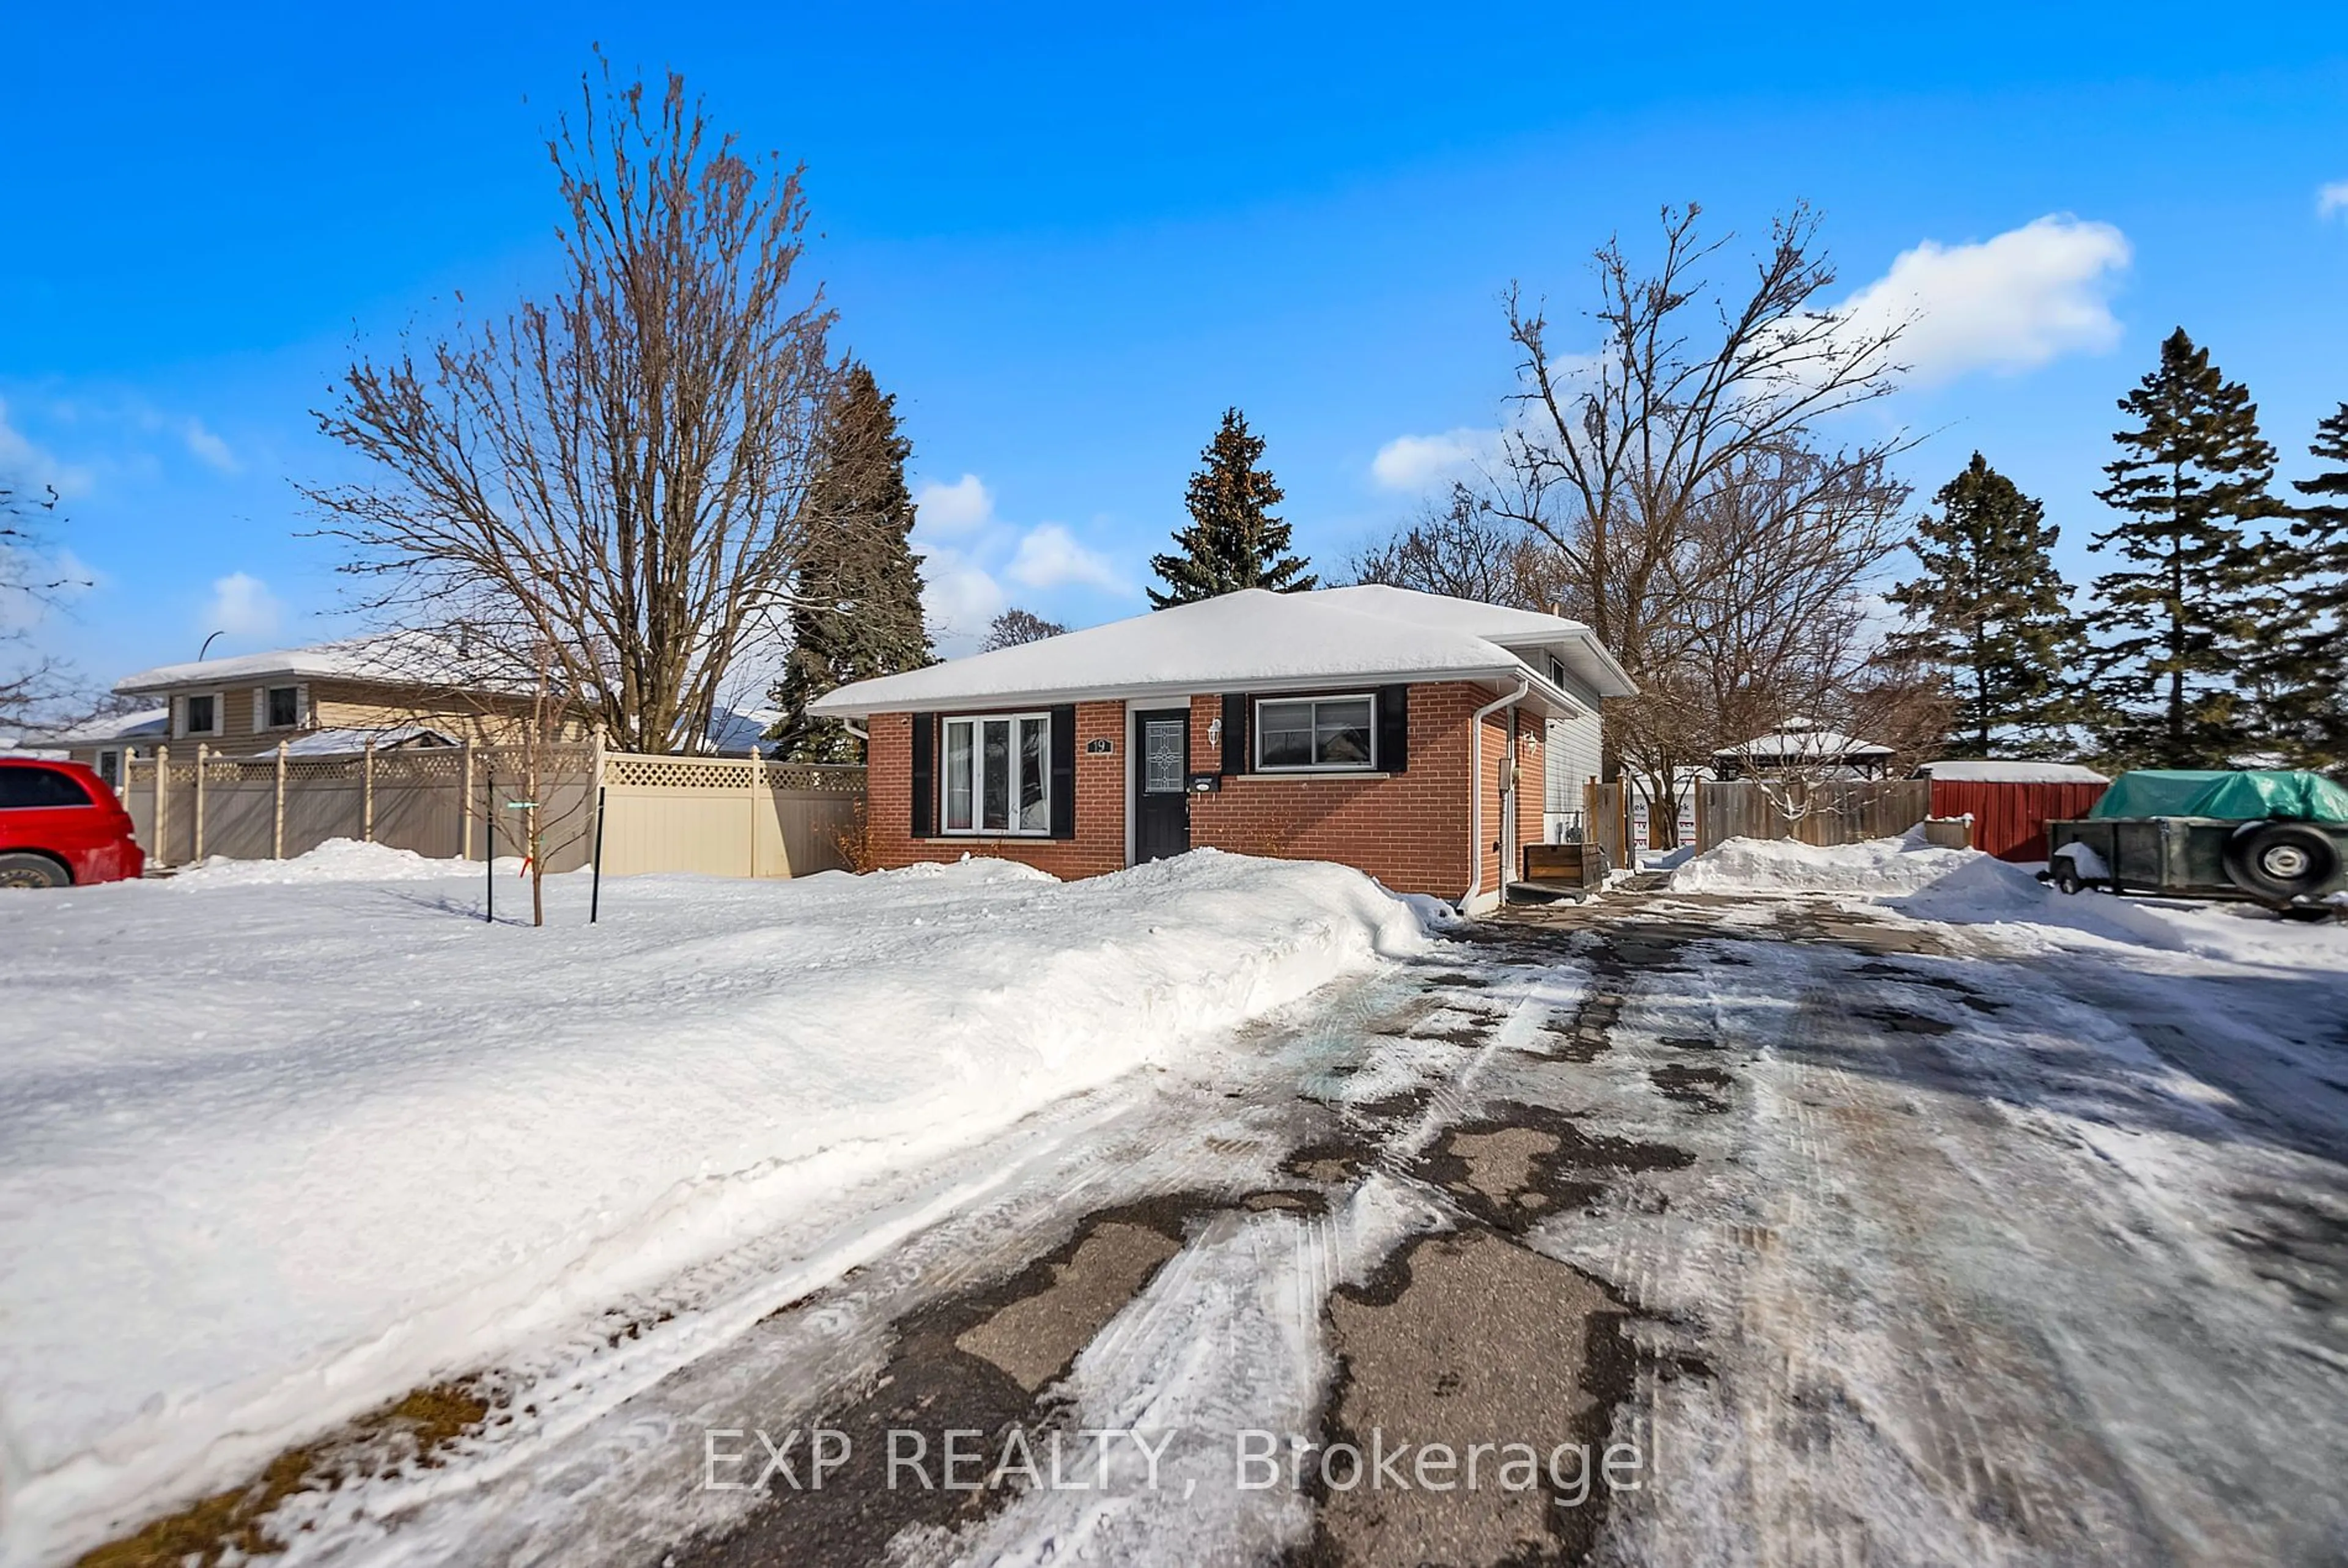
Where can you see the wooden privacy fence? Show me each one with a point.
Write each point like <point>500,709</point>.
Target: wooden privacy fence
<point>725,816</point>
<point>1606,821</point>
<point>1824,813</point>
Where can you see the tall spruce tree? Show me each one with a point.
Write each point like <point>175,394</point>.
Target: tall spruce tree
<point>2309,665</point>
<point>1992,614</point>
<point>1233,540</point>
<point>857,610</point>
<point>2171,688</point>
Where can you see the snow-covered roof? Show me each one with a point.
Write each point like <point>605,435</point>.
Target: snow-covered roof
<point>399,659</point>
<point>1249,640</point>
<point>351,742</point>
<point>1584,654</point>
<point>738,731</point>
<point>1806,738</point>
<point>146,723</point>
<point>1992,770</point>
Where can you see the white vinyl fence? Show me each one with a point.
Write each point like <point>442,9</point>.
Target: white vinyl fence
<point>725,816</point>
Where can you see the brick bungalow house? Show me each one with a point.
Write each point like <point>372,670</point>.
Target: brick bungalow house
<point>1381,728</point>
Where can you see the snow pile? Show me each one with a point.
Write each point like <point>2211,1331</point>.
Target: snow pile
<point>336,860</point>
<point>2020,911</point>
<point>271,1156</point>
<point>1979,887</point>
<point>1966,888</point>
<point>1876,866</point>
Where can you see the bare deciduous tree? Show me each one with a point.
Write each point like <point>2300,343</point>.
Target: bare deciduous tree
<point>1776,621</point>
<point>1015,626</point>
<point>1459,546</point>
<point>611,480</point>
<point>1692,514</point>
<point>32,683</point>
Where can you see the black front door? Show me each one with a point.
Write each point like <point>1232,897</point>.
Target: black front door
<point>1161,783</point>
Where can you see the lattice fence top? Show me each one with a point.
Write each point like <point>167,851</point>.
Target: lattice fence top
<point>438,766</point>
<point>556,764</point>
<point>822,778</point>
<point>628,768</point>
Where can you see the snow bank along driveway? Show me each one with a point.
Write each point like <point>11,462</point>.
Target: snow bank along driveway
<point>2009,908</point>
<point>275,1153</point>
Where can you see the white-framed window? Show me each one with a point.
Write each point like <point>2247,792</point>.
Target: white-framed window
<point>109,767</point>
<point>1316,734</point>
<point>995,775</point>
<point>200,713</point>
<point>282,707</point>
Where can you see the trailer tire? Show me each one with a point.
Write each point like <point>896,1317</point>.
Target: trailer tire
<point>2066,876</point>
<point>2280,861</point>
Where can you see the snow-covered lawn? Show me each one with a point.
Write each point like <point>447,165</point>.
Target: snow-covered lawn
<point>280,1143</point>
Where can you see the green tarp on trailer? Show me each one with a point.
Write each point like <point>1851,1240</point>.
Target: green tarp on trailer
<point>2295,796</point>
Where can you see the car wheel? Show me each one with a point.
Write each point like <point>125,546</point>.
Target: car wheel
<point>32,871</point>
<point>2282,860</point>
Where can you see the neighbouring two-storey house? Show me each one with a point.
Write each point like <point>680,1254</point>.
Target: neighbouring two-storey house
<point>392,692</point>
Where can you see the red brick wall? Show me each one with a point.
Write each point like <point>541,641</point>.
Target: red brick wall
<point>1530,764</point>
<point>1409,830</point>
<point>1098,846</point>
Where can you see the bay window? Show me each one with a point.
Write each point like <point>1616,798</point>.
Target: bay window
<point>997,775</point>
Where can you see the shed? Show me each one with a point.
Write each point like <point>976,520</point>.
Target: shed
<point>2011,802</point>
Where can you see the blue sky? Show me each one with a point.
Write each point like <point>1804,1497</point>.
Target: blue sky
<point>1067,240</point>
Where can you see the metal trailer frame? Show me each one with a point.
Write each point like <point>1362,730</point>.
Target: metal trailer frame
<point>2182,854</point>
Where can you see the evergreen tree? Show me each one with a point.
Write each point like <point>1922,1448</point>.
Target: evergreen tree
<point>2309,667</point>
<point>1233,540</point>
<point>858,588</point>
<point>2171,687</point>
<point>1992,613</point>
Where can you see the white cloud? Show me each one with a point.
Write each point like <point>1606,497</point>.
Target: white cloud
<point>208,448</point>
<point>955,508</point>
<point>971,558</point>
<point>1050,557</point>
<point>2010,302</point>
<point>243,607</point>
<point>2331,198</point>
<point>960,599</point>
<point>1422,462</point>
<point>27,466</point>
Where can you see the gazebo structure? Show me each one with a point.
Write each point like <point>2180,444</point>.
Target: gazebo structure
<point>1804,747</point>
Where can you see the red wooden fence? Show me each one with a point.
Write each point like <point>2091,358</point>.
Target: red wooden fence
<point>2010,818</point>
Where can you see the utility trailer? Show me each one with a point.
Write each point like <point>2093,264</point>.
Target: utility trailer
<point>2283,865</point>
<point>2275,835</point>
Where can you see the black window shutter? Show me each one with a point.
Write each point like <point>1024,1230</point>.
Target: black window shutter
<point>1393,728</point>
<point>926,774</point>
<point>1235,734</point>
<point>1064,770</point>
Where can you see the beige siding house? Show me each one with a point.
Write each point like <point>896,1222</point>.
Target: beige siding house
<point>332,699</point>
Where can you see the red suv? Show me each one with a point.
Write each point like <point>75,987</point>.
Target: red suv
<point>59,824</point>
